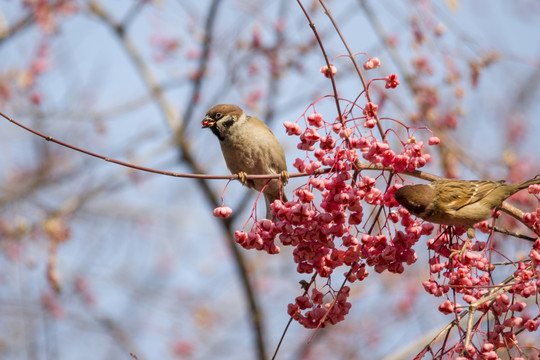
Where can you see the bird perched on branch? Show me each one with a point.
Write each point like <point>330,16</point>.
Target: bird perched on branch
<point>457,202</point>
<point>249,147</point>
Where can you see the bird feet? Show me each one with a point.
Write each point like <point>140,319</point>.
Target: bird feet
<point>459,252</point>
<point>242,177</point>
<point>470,236</point>
<point>284,177</point>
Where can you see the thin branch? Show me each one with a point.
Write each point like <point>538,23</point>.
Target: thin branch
<point>201,71</point>
<point>168,112</point>
<point>506,207</point>
<point>191,161</point>
<point>355,63</point>
<point>133,11</point>
<point>448,143</point>
<point>319,41</point>
<point>23,23</point>
<point>472,307</point>
<point>135,56</point>
<point>512,233</point>
<point>306,287</point>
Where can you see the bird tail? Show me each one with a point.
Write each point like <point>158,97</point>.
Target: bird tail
<point>528,183</point>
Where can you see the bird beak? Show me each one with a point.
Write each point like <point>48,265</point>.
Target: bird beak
<point>208,122</point>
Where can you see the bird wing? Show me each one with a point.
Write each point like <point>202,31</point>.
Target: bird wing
<point>275,156</point>
<point>467,192</point>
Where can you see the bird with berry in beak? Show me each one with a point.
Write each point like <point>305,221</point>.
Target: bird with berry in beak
<point>249,148</point>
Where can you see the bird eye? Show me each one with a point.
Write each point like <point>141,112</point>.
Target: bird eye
<point>219,116</point>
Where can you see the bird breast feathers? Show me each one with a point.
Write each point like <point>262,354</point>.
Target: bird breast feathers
<point>254,145</point>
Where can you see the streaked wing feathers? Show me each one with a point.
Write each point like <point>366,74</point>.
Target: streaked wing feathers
<point>466,192</point>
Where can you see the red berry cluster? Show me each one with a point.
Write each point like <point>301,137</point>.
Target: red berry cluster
<point>326,222</point>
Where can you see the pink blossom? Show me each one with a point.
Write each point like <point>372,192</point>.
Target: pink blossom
<point>310,135</point>
<point>483,226</point>
<point>317,183</point>
<point>372,63</point>
<point>292,128</point>
<point>513,321</point>
<point>517,307</point>
<point>316,296</point>
<point>308,139</point>
<point>370,111</point>
<point>355,218</point>
<point>531,325</point>
<point>222,212</point>
<point>532,219</point>
<point>427,228</point>
<point>447,307</point>
<point>349,240</point>
<point>328,73</point>
<point>300,165</point>
<point>400,162</point>
<point>370,123</point>
<point>534,255</point>
<point>320,154</point>
<point>391,81</point>
<point>490,355</point>
<point>434,140</point>
<point>305,195</point>
<point>312,166</point>
<point>327,143</point>
<point>315,119</point>
<point>345,133</point>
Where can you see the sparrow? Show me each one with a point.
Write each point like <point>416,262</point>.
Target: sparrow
<point>249,147</point>
<point>457,202</point>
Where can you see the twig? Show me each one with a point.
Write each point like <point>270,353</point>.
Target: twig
<point>506,207</point>
<point>168,113</point>
<point>201,71</point>
<point>512,233</point>
<point>306,287</point>
<point>472,307</point>
<point>359,164</point>
<point>355,63</point>
<point>23,23</point>
<point>319,41</point>
<point>448,144</point>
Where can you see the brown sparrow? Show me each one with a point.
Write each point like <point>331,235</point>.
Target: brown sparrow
<point>457,202</point>
<point>249,147</point>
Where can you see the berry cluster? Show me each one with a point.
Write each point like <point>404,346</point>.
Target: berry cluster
<point>326,222</point>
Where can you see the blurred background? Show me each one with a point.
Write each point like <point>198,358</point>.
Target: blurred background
<point>98,261</point>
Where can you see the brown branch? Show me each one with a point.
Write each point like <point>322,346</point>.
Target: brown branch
<point>133,11</point>
<point>515,213</point>
<point>512,233</point>
<point>319,41</point>
<point>448,144</point>
<point>167,111</point>
<point>504,285</point>
<point>355,63</point>
<point>201,71</point>
<point>199,172</point>
<point>506,207</point>
<point>22,24</point>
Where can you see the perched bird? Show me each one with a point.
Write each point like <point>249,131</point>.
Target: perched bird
<point>457,202</point>
<point>249,147</point>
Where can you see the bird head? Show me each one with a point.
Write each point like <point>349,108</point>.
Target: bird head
<point>220,118</point>
<point>415,198</point>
